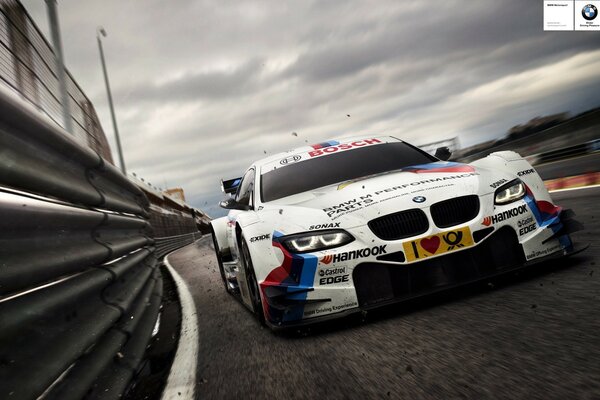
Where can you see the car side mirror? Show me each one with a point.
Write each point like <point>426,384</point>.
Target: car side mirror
<point>443,153</point>
<point>231,204</point>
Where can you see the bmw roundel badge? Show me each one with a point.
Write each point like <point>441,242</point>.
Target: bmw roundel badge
<point>419,199</point>
<point>589,12</point>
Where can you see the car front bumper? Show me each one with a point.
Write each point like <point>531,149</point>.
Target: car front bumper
<point>379,285</point>
<point>368,274</point>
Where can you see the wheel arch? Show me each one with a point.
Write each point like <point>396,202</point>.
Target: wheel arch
<point>238,235</point>
<point>259,240</point>
<point>218,228</point>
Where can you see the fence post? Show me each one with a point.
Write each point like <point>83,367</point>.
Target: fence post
<point>60,64</point>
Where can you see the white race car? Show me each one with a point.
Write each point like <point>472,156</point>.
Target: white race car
<point>342,226</point>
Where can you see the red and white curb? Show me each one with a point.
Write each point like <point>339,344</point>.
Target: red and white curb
<point>589,179</point>
<point>181,383</point>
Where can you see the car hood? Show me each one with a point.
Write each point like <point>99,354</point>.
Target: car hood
<point>355,203</point>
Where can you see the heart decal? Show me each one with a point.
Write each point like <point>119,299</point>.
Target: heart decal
<point>431,244</point>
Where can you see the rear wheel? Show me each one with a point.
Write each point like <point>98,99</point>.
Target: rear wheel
<point>253,288</point>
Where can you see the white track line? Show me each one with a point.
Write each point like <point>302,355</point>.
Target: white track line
<point>181,383</point>
<point>574,188</point>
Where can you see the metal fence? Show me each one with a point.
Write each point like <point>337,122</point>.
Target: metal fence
<point>80,289</point>
<point>165,245</point>
<point>171,223</point>
<point>27,64</point>
<point>80,244</point>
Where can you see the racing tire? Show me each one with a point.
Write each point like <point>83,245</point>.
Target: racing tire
<point>220,262</point>
<point>253,289</point>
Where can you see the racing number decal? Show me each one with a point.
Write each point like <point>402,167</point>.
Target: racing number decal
<point>439,243</point>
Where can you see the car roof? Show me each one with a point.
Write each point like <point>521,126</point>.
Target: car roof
<point>318,149</point>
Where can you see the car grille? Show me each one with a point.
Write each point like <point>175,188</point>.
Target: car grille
<point>400,225</point>
<point>455,211</point>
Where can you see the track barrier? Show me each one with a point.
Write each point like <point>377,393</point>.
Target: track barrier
<point>80,286</point>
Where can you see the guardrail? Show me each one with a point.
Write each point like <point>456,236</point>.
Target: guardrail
<point>27,64</point>
<point>582,128</point>
<point>167,244</point>
<point>567,152</point>
<point>80,288</point>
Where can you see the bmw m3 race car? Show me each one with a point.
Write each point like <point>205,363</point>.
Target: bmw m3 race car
<point>342,226</point>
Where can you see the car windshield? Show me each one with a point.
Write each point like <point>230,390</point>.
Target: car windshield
<point>339,167</point>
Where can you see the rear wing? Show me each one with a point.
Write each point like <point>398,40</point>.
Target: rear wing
<point>230,186</point>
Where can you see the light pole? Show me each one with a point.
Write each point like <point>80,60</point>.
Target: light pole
<point>100,31</point>
<point>60,64</point>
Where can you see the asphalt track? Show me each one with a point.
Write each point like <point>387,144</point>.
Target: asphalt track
<point>569,167</point>
<point>531,335</point>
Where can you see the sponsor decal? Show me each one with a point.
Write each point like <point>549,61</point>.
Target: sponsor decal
<point>419,199</point>
<point>350,205</point>
<point>526,221</point>
<point>330,309</point>
<point>526,172</point>
<point>367,200</point>
<point>332,271</point>
<point>324,226</point>
<point>498,183</point>
<point>334,279</point>
<point>538,253</point>
<point>504,215</point>
<point>439,243</point>
<point>290,160</point>
<point>526,229</point>
<point>324,144</point>
<point>344,146</point>
<point>261,237</point>
<point>426,181</point>
<point>327,259</point>
<point>435,167</point>
<point>362,253</point>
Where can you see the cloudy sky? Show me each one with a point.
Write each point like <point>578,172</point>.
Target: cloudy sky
<point>203,88</point>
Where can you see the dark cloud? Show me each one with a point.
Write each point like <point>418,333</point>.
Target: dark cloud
<point>192,86</point>
<point>203,88</point>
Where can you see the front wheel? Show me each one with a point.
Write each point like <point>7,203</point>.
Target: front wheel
<point>253,288</point>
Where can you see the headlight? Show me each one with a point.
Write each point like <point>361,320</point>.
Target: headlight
<point>315,241</point>
<point>512,191</point>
